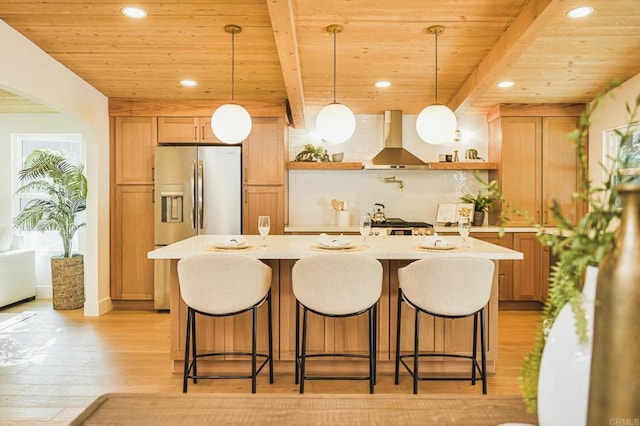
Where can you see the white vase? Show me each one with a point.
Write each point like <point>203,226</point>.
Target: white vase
<point>563,382</point>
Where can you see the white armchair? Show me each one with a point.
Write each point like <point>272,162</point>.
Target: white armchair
<point>17,271</point>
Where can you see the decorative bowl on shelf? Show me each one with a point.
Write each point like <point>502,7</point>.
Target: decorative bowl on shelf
<point>337,157</point>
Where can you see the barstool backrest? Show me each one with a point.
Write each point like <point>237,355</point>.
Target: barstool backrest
<point>222,283</point>
<point>337,284</point>
<point>454,286</point>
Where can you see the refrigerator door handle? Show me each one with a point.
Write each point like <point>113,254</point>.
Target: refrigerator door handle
<point>193,194</point>
<point>200,194</point>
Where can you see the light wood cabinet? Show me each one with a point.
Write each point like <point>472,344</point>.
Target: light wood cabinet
<point>263,153</point>
<point>135,141</point>
<point>263,162</point>
<point>262,201</point>
<point>132,272</point>
<point>528,273</point>
<point>537,164</point>
<point>185,130</point>
<point>505,267</point>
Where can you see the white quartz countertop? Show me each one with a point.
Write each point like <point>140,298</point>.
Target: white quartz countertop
<point>298,246</point>
<point>333,229</point>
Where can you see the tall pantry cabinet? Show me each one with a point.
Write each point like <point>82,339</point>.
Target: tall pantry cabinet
<point>263,175</point>
<point>537,164</point>
<point>132,149</point>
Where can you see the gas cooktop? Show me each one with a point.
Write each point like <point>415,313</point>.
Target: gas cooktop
<point>394,222</point>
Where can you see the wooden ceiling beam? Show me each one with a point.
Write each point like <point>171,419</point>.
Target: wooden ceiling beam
<point>514,42</point>
<point>284,32</point>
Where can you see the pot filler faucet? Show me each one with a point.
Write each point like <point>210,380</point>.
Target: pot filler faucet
<point>393,179</point>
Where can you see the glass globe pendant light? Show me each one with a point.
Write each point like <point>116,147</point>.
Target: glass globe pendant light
<point>231,123</point>
<point>335,122</point>
<point>436,124</point>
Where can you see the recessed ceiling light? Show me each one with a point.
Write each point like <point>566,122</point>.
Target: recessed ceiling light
<point>580,12</point>
<point>382,84</point>
<point>505,84</point>
<point>134,12</point>
<point>189,83</point>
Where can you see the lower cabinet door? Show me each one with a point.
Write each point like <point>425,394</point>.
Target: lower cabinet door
<point>262,201</point>
<point>132,234</point>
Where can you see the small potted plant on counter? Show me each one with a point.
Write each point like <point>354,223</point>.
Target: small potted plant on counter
<point>481,204</point>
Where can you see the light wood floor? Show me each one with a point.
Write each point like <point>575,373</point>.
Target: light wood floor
<point>53,364</point>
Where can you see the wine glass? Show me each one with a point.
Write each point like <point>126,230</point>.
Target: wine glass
<point>365,227</point>
<point>464,227</point>
<point>264,224</point>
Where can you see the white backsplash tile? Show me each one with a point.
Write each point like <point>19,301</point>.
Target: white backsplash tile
<point>311,191</point>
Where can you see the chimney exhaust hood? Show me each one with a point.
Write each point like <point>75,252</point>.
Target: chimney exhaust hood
<point>393,155</point>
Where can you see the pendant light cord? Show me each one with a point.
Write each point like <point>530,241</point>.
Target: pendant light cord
<point>334,67</point>
<point>436,33</point>
<point>233,65</point>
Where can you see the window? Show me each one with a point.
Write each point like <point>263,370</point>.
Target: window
<point>23,144</point>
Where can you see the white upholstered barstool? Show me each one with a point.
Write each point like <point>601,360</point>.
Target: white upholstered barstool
<point>336,285</point>
<point>220,285</point>
<point>446,287</point>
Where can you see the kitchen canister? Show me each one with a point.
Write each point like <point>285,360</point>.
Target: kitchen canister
<point>343,218</point>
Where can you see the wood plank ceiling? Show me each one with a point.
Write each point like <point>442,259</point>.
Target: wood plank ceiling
<point>284,52</point>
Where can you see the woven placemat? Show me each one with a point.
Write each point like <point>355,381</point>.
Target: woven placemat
<point>340,250</point>
<point>430,250</point>
<point>212,247</point>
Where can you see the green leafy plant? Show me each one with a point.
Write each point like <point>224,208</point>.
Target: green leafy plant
<point>310,153</point>
<point>575,245</point>
<point>481,203</point>
<point>65,186</point>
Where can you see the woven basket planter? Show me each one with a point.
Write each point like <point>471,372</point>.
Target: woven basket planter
<point>67,280</point>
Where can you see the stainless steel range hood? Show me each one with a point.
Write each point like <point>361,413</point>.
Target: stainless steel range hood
<point>393,155</point>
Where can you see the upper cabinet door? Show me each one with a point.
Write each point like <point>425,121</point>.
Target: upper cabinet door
<point>135,140</point>
<point>263,153</point>
<point>521,166</point>
<point>561,171</point>
<point>206,134</point>
<point>185,130</point>
<point>178,129</point>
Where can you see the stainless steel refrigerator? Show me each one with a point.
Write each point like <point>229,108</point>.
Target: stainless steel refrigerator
<point>197,191</point>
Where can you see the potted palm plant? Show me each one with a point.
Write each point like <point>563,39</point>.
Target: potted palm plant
<point>64,186</point>
<point>481,204</point>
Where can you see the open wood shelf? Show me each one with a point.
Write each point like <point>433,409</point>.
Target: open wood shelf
<point>462,165</point>
<point>356,165</point>
<point>315,165</point>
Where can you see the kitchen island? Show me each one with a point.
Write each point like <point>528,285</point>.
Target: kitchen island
<point>332,334</point>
